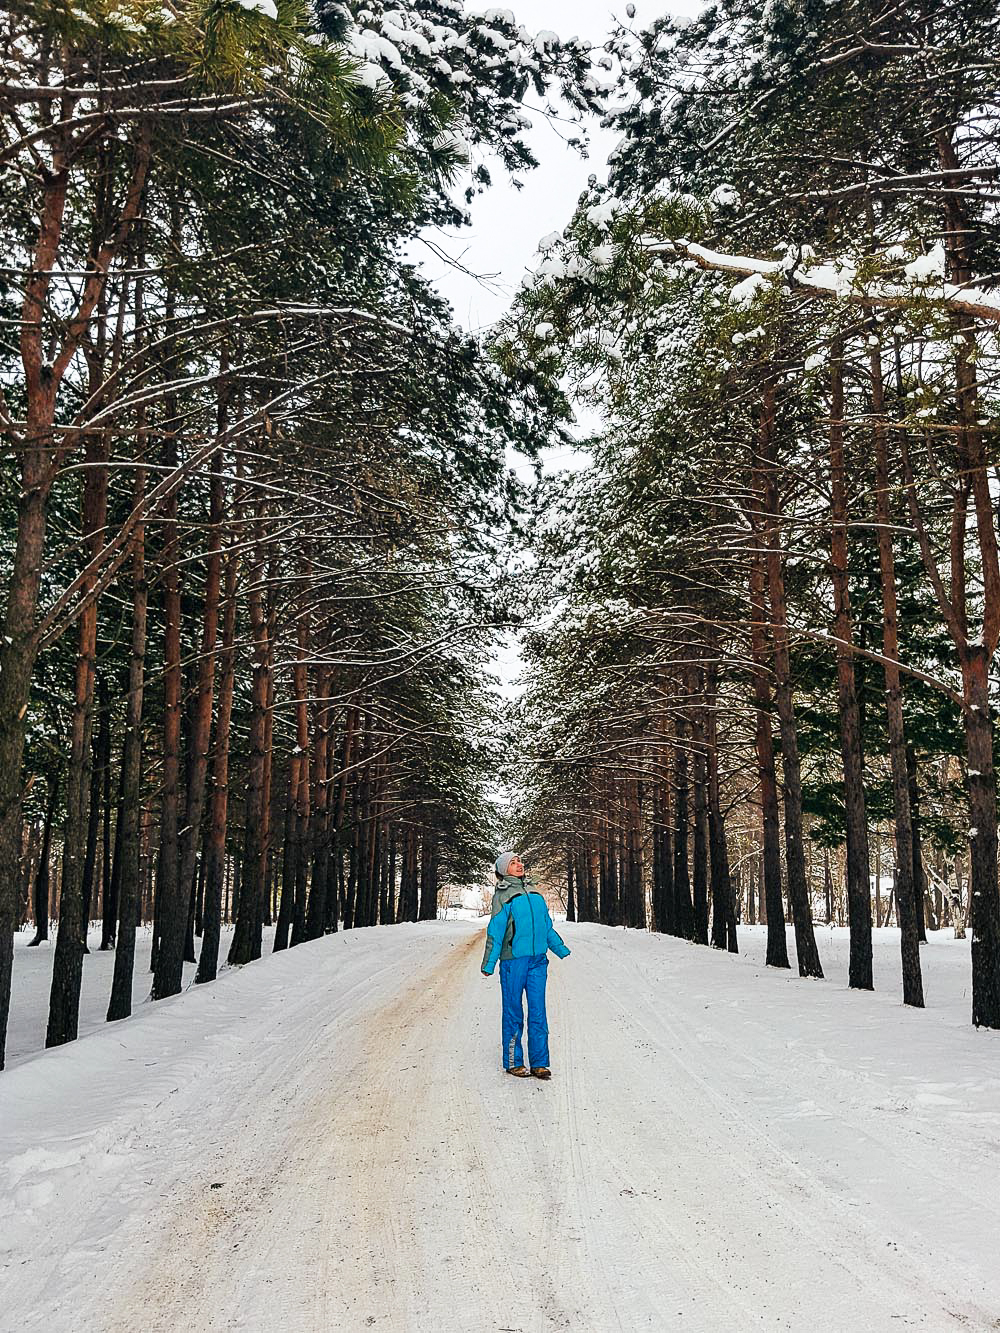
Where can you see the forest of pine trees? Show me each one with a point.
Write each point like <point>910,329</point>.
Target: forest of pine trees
<point>254,483</point>
<point>259,528</point>
<point>762,626</point>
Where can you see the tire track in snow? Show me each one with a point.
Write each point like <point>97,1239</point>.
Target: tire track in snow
<point>575,1197</point>
<point>100,1245</point>
<point>388,1205</point>
<point>192,1250</point>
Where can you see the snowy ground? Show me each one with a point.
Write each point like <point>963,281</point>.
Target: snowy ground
<point>33,979</point>
<point>323,1142</point>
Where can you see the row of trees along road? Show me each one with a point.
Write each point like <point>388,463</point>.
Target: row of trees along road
<point>771,607</point>
<point>254,476</point>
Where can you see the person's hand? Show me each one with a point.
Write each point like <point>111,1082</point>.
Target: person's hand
<point>485,973</point>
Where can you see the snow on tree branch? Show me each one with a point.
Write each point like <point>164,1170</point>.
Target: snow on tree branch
<point>840,279</point>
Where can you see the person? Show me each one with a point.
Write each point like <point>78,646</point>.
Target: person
<point>520,935</point>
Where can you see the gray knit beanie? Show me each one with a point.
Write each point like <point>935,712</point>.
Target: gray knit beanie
<point>503,862</point>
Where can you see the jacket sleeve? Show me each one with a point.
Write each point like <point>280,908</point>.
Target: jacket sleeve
<point>494,939</point>
<point>554,942</point>
<point>494,909</point>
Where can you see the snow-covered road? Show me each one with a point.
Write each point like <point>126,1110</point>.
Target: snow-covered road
<point>324,1142</point>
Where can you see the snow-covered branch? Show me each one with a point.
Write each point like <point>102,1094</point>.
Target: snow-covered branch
<point>839,279</point>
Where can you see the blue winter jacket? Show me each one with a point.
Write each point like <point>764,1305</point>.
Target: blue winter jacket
<point>533,930</point>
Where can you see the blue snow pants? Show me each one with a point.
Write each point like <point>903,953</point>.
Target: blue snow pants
<point>520,977</point>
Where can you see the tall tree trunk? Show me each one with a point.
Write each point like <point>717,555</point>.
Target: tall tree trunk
<point>100,764</point>
<point>603,865</point>
<point>354,859</point>
<point>346,761</point>
<point>656,853</point>
<point>913,991</point>
<point>798,886</point>
<point>858,872</point>
<point>170,911</point>
<point>700,785</point>
<point>723,906</point>
<point>583,904</point>
<point>218,814</point>
<point>300,864</point>
<point>172,896</point>
<point>668,922</point>
<point>428,882</point>
<point>384,917</point>
<point>107,888</point>
<point>684,919</point>
<point>246,942</point>
<point>266,875</point>
<point>634,908</point>
<point>774,911</point>
<point>919,877</point>
<point>283,922</point>
<point>130,810</point>
<point>201,729</point>
<point>18,649</point>
<point>591,877</point>
<point>112,859</point>
<point>982,842</point>
<point>974,656</point>
<point>392,913</point>
<point>317,909</point>
<point>18,641</point>
<point>71,940</point>
<point>43,872</point>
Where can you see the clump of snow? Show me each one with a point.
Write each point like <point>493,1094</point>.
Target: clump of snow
<point>373,47</point>
<point>449,141</point>
<point>602,215</point>
<point>369,76</point>
<point>746,292</point>
<point>126,21</point>
<point>551,267</point>
<point>406,37</point>
<point>927,268</point>
<point>266,7</point>
<point>725,196</point>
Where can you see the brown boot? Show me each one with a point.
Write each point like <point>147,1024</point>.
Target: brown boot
<point>519,1071</point>
<point>542,1072</point>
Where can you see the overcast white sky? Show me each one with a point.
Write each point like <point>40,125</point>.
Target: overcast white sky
<point>508,223</point>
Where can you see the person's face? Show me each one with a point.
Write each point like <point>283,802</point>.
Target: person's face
<point>516,866</point>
